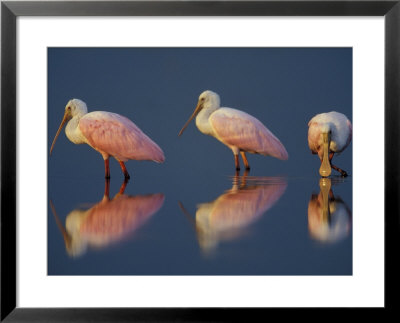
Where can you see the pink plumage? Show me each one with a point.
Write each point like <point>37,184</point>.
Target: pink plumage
<point>108,221</point>
<point>110,134</point>
<point>113,220</point>
<point>117,136</point>
<point>236,129</point>
<point>239,129</point>
<point>240,207</point>
<point>230,215</point>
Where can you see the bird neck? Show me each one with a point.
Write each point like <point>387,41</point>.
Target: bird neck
<point>73,132</point>
<point>202,121</point>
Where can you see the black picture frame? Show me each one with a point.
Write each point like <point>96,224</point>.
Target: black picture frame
<point>10,10</point>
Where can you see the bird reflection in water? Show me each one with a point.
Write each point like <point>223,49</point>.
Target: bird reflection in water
<point>329,218</point>
<point>107,222</point>
<point>230,215</point>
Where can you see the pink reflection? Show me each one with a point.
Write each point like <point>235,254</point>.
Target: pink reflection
<point>107,222</point>
<point>230,215</point>
<point>329,218</point>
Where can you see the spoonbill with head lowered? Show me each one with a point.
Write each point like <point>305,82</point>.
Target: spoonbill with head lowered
<point>109,133</point>
<point>328,134</point>
<point>236,129</point>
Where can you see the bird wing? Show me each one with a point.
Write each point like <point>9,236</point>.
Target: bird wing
<point>313,137</point>
<point>117,136</point>
<point>239,129</point>
<point>119,217</point>
<point>238,208</point>
<point>349,125</point>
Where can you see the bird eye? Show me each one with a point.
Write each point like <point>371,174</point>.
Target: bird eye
<point>68,108</point>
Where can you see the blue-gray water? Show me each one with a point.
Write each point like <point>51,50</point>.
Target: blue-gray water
<point>158,88</point>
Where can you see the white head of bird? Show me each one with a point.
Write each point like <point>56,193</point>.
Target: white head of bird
<point>75,108</point>
<point>236,129</point>
<point>209,100</point>
<point>111,134</point>
<point>208,103</point>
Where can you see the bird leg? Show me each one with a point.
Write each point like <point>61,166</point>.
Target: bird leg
<point>123,186</point>
<point>246,163</point>
<point>243,182</point>
<point>341,171</point>
<point>107,189</point>
<point>245,174</point>
<point>126,174</point>
<point>237,165</point>
<point>107,168</point>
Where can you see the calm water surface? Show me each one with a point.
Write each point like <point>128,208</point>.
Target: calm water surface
<point>191,215</point>
<point>224,225</point>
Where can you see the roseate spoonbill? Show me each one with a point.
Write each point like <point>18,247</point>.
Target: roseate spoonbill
<point>108,222</point>
<point>329,133</point>
<point>329,218</point>
<point>109,133</point>
<point>236,129</point>
<point>233,212</point>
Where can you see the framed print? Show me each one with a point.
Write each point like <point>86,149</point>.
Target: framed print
<point>189,228</point>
